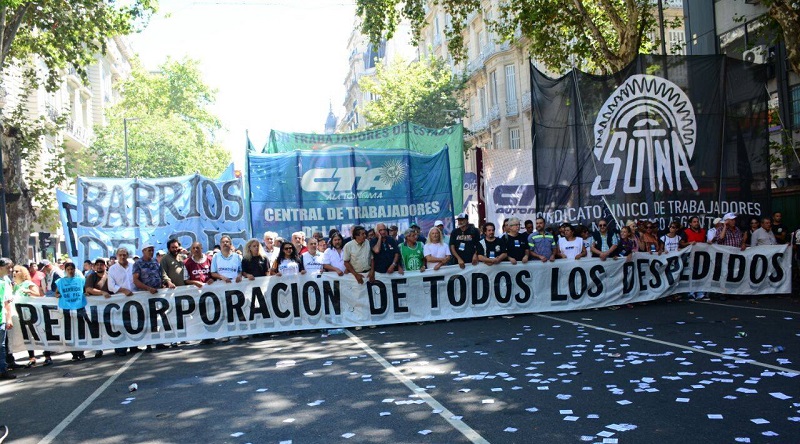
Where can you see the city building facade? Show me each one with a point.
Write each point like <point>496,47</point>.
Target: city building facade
<point>82,105</point>
<point>362,61</point>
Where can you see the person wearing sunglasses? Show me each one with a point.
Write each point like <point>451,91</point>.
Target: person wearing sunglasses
<point>604,241</point>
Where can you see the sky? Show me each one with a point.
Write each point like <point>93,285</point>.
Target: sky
<point>276,64</point>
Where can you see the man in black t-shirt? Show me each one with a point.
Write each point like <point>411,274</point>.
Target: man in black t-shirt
<point>516,243</point>
<point>385,253</point>
<point>464,241</point>
<point>491,249</point>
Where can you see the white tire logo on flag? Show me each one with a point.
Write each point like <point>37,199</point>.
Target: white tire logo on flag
<point>645,135</point>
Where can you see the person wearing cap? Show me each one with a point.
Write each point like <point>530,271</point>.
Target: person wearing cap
<point>464,241</point>
<point>147,272</point>
<point>440,225</point>
<point>51,276</point>
<point>711,234</point>
<point>393,230</point>
<point>730,234</point>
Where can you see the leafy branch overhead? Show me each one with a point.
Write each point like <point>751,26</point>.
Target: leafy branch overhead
<point>425,92</point>
<point>604,35</point>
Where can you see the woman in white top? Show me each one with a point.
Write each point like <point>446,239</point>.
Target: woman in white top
<point>671,240</point>
<point>312,259</point>
<point>570,247</point>
<point>435,251</point>
<point>332,259</point>
<point>288,263</point>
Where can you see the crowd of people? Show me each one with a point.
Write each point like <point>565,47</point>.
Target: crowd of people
<point>380,249</point>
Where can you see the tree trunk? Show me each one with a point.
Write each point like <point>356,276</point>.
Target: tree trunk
<point>19,206</point>
<point>789,20</point>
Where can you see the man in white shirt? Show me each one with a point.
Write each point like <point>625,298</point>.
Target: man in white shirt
<point>226,265</point>
<point>120,275</point>
<point>120,280</point>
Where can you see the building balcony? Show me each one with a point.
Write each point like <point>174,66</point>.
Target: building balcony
<point>480,125</point>
<point>512,109</point>
<point>494,113</point>
<point>476,64</point>
<point>77,133</point>
<point>526,100</point>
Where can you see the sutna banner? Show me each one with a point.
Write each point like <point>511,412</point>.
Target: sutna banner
<point>276,304</point>
<point>666,138</point>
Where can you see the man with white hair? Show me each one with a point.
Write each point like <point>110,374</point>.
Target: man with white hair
<point>299,241</point>
<point>269,246</point>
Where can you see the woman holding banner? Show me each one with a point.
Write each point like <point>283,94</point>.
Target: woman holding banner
<point>436,251</point>
<point>570,247</point>
<point>288,262</point>
<point>255,262</point>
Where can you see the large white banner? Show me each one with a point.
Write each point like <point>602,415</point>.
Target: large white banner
<point>510,192</point>
<point>277,304</point>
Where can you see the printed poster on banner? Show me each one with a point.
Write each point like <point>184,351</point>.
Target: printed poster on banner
<point>314,191</point>
<point>403,136</point>
<point>509,184</point>
<point>290,303</point>
<point>664,139</point>
<point>109,213</point>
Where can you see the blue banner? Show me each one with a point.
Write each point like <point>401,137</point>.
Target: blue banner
<point>318,190</point>
<point>110,213</point>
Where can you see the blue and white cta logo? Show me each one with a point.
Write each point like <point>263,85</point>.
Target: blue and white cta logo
<point>352,182</point>
<point>645,132</point>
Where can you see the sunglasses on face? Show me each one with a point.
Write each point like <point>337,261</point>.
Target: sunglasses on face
<point>601,225</point>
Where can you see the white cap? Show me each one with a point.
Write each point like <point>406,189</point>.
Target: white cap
<point>717,221</point>
<point>437,223</point>
<point>147,245</point>
<point>728,216</point>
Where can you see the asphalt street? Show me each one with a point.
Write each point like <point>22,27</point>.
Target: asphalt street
<point>661,372</point>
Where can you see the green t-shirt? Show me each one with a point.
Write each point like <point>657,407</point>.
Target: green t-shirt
<point>19,289</point>
<point>5,289</point>
<point>413,258</point>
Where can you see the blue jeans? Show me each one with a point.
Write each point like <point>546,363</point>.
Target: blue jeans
<point>3,364</point>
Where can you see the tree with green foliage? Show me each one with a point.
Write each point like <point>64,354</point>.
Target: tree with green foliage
<point>425,92</point>
<point>44,38</point>
<point>170,129</point>
<point>603,35</point>
<point>783,22</point>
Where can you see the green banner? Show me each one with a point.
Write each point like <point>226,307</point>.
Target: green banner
<point>404,136</point>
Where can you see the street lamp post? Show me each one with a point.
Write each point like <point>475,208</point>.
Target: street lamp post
<point>125,132</point>
<point>5,244</point>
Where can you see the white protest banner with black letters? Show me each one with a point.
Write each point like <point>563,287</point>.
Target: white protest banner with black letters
<point>275,304</point>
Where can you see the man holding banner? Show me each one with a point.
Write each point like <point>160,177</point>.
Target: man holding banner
<point>464,241</point>
<point>357,254</point>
